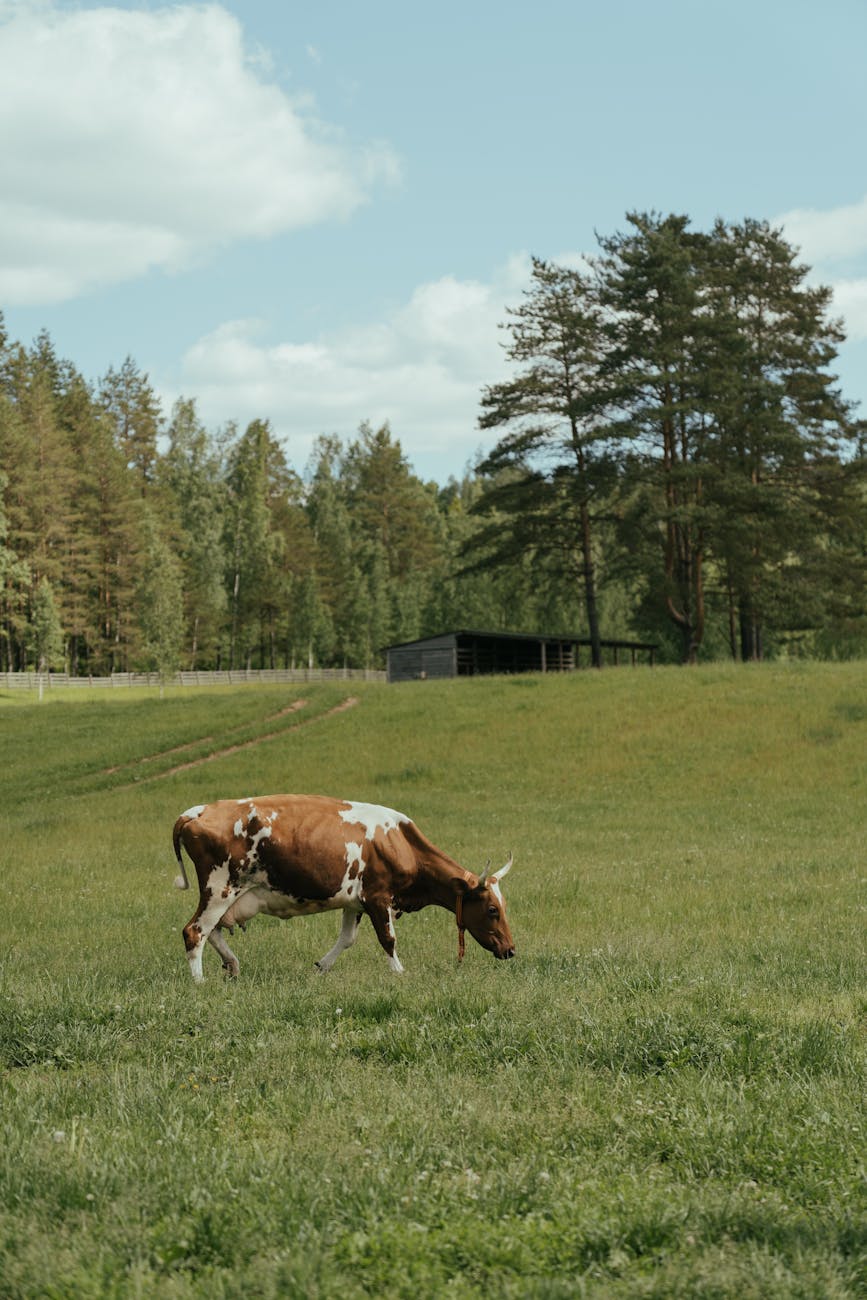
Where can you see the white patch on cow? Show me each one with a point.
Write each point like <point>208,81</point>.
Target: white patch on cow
<point>348,894</point>
<point>194,812</point>
<point>253,852</point>
<point>494,887</point>
<point>353,855</point>
<point>373,817</point>
<point>217,904</point>
<point>239,826</point>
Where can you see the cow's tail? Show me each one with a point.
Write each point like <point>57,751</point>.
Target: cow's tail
<point>181,881</point>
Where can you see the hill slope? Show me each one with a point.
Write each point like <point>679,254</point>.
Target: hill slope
<point>661,1096</point>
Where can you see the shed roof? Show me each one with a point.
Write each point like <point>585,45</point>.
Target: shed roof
<point>564,638</point>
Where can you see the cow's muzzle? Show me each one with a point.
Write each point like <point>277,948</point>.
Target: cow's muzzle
<point>505,954</point>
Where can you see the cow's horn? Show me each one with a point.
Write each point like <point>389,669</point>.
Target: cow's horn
<point>504,869</point>
<point>483,874</point>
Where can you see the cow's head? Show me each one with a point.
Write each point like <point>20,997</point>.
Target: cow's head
<point>481,909</point>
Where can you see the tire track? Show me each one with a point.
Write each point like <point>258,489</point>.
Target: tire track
<point>191,744</point>
<point>228,750</point>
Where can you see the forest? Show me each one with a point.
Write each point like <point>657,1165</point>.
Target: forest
<point>674,462</point>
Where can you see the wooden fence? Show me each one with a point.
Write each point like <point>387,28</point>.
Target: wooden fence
<point>236,677</point>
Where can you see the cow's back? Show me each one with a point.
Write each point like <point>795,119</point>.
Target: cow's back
<point>306,846</point>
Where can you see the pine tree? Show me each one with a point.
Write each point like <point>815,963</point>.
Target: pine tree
<point>659,341</point>
<point>134,410</point>
<point>35,444</point>
<point>784,434</point>
<point>256,472</point>
<point>14,586</point>
<point>191,473</point>
<point>390,506</point>
<point>552,472</point>
<point>159,602</point>
<point>340,577</point>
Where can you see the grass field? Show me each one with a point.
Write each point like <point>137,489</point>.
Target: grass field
<point>663,1095</point>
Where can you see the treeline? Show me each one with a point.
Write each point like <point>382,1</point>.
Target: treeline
<point>674,431</point>
<point>129,541</point>
<point>675,464</point>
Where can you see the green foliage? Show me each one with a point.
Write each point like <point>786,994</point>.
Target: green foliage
<point>675,464</point>
<point>159,601</point>
<point>45,632</point>
<point>133,411</point>
<point>742,468</point>
<point>14,577</point>
<point>190,472</point>
<point>661,1096</point>
<point>553,470</point>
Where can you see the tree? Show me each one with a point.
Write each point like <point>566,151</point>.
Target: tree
<point>191,472</point>
<point>160,601</point>
<point>45,631</point>
<point>656,365</point>
<point>554,467</point>
<point>311,629</point>
<point>257,476</point>
<point>340,576</point>
<point>38,494</point>
<point>389,505</point>
<point>134,410</point>
<point>14,584</point>
<point>785,493</point>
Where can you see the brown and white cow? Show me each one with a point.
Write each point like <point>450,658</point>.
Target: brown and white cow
<point>294,855</point>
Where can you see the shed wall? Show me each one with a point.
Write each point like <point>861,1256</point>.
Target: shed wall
<point>412,663</point>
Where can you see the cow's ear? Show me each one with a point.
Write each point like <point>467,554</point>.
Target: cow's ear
<point>466,888</point>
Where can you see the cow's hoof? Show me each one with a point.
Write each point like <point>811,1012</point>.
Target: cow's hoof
<point>323,970</point>
<point>231,969</point>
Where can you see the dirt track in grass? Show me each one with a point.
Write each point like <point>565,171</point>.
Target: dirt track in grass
<point>228,750</point>
<point>191,744</point>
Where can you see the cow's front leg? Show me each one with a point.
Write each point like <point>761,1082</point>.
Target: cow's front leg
<point>383,923</point>
<point>346,938</point>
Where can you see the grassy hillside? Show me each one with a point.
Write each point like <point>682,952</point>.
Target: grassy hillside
<point>662,1096</point>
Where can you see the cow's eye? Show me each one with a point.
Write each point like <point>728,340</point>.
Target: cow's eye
<point>493,911</point>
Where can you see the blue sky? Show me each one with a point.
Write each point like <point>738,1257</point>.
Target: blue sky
<point>317,213</point>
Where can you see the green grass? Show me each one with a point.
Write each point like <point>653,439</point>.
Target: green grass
<point>662,1096</point>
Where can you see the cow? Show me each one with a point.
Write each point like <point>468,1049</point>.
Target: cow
<point>295,855</point>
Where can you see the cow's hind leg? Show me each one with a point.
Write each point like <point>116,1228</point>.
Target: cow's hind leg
<point>231,965</point>
<point>210,909</point>
<point>346,938</point>
<point>383,924</point>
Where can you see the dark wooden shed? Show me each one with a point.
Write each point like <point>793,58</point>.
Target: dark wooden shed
<point>467,654</point>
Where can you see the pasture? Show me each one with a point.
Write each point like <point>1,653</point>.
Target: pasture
<point>663,1095</point>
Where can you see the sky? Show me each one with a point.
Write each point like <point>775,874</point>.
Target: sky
<point>318,213</point>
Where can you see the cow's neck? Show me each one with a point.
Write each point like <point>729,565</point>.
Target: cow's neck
<point>434,883</point>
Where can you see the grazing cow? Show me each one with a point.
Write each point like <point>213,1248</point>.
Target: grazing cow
<point>293,855</point>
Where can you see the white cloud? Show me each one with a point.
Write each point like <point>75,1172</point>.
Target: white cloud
<point>850,301</point>
<point>133,139</point>
<point>422,369</point>
<point>833,243</point>
<point>831,235</point>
